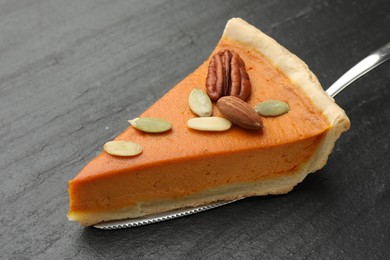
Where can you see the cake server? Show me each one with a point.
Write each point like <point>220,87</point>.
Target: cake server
<point>370,62</point>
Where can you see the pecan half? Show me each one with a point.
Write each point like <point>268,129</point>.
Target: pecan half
<point>227,76</point>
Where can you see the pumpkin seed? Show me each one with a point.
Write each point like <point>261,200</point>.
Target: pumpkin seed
<point>200,103</point>
<point>272,108</point>
<point>151,124</point>
<point>213,123</point>
<point>122,148</point>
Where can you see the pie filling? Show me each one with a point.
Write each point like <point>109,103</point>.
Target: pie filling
<point>189,176</point>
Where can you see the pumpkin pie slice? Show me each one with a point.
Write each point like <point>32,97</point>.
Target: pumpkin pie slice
<point>184,167</point>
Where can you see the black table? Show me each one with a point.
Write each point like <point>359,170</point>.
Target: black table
<point>73,72</point>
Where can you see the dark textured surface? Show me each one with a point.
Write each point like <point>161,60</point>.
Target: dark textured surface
<point>73,72</point>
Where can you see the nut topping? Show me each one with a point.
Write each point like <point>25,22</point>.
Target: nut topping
<point>213,123</point>
<point>272,108</point>
<point>227,76</point>
<point>150,124</point>
<point>122,148</point>
<point>200,103</point>
<point>239,112</point>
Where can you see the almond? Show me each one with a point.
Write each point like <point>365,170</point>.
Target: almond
<point>239,112</point>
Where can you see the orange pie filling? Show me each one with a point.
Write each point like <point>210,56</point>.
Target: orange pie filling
<point>185,163</point>
<point>179,178</point>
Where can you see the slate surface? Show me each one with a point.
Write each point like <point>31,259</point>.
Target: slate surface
<point>73,72</point>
